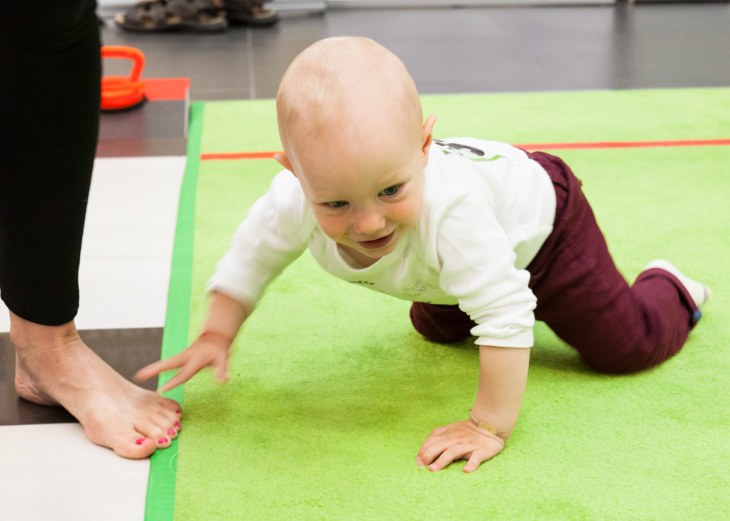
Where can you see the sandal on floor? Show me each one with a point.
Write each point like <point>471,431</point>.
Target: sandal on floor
<point>174,15</point>
<point>250,12</point>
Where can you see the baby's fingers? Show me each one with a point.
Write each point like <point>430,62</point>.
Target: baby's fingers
<point>186,373</point>
<point>435,436</point>
<point>430,453</point>
<point>452,453</point>
<point>162,365</point>
<point>477,457</point>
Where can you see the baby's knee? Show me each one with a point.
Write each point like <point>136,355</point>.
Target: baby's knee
<point>441,324</point>
<point>616,367</point>
<point>628,362</point>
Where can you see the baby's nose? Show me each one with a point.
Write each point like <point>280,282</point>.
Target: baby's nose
<point>368,224</point>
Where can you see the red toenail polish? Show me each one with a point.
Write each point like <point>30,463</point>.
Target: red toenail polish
<point>171,432</point>
<point>162,440</point>
<point>176,424</point>
<point>178,411</point>
<point>139,441</point>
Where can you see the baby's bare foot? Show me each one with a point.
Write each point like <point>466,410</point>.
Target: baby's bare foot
<point>54,366</point>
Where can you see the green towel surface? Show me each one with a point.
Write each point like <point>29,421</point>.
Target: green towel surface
<point>333,392</point>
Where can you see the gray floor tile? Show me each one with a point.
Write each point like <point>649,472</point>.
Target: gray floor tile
<point>157,128</point>
<point>154,119</point>
<point>469,50</point>
<point>211,61</point>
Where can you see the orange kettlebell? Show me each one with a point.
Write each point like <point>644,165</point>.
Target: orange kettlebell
<point>123,92</point>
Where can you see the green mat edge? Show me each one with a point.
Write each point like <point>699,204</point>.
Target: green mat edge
<point>160,501</point>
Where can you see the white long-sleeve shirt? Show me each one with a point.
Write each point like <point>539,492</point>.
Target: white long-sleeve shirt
<point>487,210</point>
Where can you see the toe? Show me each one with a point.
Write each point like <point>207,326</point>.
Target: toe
<point>137,447</point>
<point>150,429</point>
<point>132,443</point>
<point>163,442</point>
<point>171,405</point>
<point>170,429</point>
<point>166,424</point>
<point>170,417</point>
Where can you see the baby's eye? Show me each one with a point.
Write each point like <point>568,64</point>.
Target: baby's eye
<point>391,190</point>
<point>337,204</point>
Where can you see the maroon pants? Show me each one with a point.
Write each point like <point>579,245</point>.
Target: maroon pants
<point>583,297</point>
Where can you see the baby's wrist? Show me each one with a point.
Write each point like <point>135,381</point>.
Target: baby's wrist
<point>498,430</point>
<point>216,338</point>
<point>501,421</point>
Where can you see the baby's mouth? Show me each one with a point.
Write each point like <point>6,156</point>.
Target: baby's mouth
<point>377,243</point>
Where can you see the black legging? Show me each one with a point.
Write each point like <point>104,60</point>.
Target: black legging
<point>50,72</point>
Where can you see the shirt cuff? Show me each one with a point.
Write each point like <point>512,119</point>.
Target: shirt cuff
<point>523,339</point>
<point>241,295</point>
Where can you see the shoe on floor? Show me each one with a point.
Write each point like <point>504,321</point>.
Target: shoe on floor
<point>174,15</point>
<point>250,12</point>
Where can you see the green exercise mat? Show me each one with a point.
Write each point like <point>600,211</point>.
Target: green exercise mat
<point>333,392</point>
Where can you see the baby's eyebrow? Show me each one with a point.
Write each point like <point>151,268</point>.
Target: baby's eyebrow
<point>398,177</point>
<point>327,200</point>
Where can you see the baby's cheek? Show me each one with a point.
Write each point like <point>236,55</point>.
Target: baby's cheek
<point>332,228</point>
<point>406,212</point>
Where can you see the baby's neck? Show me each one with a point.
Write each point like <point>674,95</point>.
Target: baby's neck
<point>361,260</point>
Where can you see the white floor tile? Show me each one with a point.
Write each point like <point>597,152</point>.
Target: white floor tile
<point>52,472</point>
<point>132,207</point>
<point>128,240</point>
<point>123,293</point>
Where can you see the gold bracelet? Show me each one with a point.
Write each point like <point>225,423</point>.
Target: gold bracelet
<point>488,427</point>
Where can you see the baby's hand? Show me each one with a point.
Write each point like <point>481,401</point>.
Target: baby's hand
<point>460,440</point>
<point>211,349</point>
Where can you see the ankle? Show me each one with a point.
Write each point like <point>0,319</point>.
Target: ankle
<point>26,335</point>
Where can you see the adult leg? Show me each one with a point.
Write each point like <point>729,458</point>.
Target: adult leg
<point>49,87</point>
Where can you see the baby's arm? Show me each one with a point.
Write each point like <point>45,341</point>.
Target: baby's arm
<point>502,379</point>
<point>225,317</point>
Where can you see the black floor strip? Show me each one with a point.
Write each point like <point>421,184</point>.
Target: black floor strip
<point>126,350</point>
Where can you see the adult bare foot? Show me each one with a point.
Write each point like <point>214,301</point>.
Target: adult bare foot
<point>54,366</point>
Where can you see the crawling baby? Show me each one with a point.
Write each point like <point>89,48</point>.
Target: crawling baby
<point>482,237</point>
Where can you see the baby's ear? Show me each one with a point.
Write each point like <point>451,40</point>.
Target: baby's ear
<point>281,158</point>
<point>427,137</point>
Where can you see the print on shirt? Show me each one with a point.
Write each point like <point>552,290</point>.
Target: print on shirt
<point>464,151</point>
<point>417,289</point>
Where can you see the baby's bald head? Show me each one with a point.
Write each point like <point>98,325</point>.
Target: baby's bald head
<point>353,133</point>
<point>347,90</point>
